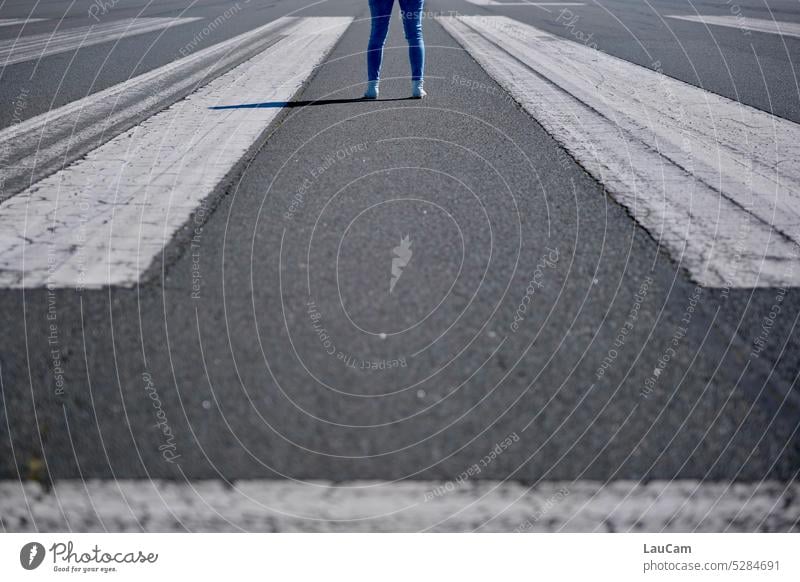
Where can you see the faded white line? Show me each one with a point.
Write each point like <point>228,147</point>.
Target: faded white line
<point>38,46</point>
<point>742,22</point>
<point>18,21</point>
<point>44,144</point>
<point>407,506</point>
<point>715,181</point>
<point>103,219</point>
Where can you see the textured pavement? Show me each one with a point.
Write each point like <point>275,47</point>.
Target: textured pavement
<point>266,345</point>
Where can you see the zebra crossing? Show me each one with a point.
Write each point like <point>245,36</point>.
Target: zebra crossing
<point>93,192</point>
<point>711,179</point>
<point>18,21</point>
<point>744,23</point>
<point>38,46</point>
<point>101,220</point>
<point>37,147</point>
<point>95,189</point>
<point>408,506</point>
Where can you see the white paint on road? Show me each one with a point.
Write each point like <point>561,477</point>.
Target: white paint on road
<point>715,181</point>
<point>46,143</point>
<point>18,21</point>
<point>38,46</point>
<point>742,22</point>
<point>407,506</point>
<point>103,219</point>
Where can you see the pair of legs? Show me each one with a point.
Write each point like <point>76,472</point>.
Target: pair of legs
<point>411,13</point>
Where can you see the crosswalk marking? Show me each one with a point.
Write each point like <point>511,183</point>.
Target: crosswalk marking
<point>18,21</point>
<point>715,181</point>
<point>39,146</point>
<point>679,505</point>
<point>38,46</point>
<point>103,219</point>
<point>743,22</point>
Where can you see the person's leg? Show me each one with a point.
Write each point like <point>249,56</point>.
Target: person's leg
<point>381,11</point>
<point>411,11</point>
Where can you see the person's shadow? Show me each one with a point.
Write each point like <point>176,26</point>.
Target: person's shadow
<point>281,104</point>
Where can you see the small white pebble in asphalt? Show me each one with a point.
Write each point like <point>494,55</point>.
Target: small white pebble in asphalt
<point>206,404</point>
<point>382,335</point>
<point>492,334</point>
<point>420,393</point>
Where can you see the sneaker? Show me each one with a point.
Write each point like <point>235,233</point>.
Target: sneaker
<point>417,92</point>
<point>372,90</point>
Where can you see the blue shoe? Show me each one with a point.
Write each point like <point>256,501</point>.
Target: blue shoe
<point>372,90</point>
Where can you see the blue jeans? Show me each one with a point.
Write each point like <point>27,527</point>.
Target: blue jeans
<point>411,13</point>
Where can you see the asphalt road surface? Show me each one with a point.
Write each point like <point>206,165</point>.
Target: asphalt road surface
<point>547,320</point>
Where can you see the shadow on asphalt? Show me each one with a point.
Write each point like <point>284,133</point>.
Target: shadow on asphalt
<point>278,104</point>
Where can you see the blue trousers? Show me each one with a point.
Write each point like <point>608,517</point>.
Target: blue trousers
<point>411,13</point>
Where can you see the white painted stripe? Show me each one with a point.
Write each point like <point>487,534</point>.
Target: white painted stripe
<point>742,22</point>
<point>535,4</point>
<point>18,21</point>
<point>42,145</point>
<point>38,46</point>
<point>713,180</point>
<point>103,219</point>
<point>407,506</point>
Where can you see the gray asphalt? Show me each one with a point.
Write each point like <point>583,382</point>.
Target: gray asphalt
<point>234,332</point>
